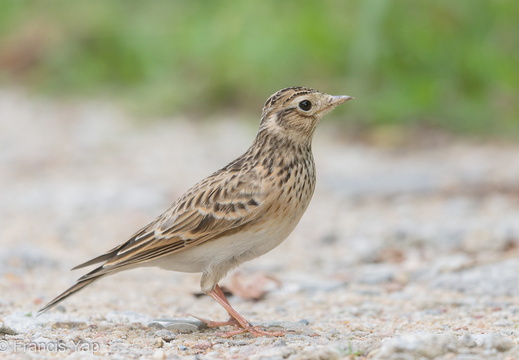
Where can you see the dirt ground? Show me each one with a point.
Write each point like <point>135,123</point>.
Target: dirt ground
<point>403,254</point>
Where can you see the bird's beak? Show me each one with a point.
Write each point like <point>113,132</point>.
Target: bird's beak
<point>333,102</point>
<point>337,100</point>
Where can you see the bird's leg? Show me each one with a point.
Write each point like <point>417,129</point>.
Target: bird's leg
<point>238,320</point>
<point>231,322</point>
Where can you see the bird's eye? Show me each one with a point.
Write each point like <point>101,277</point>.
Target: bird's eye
<point>305,105</point>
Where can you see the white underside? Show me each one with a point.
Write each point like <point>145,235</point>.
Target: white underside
<point>215,258</point>
<point>239,246</point>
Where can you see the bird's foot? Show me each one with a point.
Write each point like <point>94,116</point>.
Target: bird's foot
<point>248,328</point>
<point>235,318</point>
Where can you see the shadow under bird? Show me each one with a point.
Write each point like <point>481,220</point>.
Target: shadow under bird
<point>238,213</point>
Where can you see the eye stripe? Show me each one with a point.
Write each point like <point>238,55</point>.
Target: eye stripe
<point>297,90</point>
<point>298,93</point>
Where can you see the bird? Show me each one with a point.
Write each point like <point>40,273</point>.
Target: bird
<point>238,213</point>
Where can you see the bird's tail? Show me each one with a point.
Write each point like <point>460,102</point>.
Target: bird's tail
<point>70,291</point>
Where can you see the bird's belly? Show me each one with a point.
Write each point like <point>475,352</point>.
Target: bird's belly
<point>229,251</point>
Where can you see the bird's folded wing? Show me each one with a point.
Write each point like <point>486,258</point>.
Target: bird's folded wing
<point>219,205</point>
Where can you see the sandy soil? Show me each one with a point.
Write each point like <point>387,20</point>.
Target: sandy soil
<point>403,254</point>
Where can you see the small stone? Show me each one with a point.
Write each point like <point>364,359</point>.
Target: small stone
<point>304,322</point>
<point>159,342</point>
<point>69,325</point>
<point>179,325</point>
<point>500,343</point>
<point>166,335</point>
<point>468,341</point>
<point>419,345</point>
<point>183,328</point>
<point>6,330</point>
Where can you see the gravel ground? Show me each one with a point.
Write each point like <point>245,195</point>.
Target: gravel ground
<point>403,254</point>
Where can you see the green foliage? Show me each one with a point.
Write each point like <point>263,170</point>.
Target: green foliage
<point>445,64</point>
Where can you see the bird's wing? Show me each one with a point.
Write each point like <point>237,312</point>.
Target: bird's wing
<point>221,204</point>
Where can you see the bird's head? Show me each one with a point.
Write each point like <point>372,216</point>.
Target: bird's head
<point>294,112</point>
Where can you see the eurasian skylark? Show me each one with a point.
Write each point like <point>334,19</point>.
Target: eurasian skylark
<point>236,214</point>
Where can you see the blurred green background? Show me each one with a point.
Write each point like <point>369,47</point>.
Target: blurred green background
<point>448,65</point>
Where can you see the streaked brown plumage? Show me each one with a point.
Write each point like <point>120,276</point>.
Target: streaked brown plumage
<point>236,214</point>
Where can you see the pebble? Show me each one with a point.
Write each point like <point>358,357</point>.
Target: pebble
<point>304,322</point>
<point>159,342</point>
<point>179,325</point>
<point>494,341</point>
<point>166,335</point>
<point>466,340</point>
<point>425,345</point>
<point>6,330</point>
<point>70,325</point>
<point>430,346</point>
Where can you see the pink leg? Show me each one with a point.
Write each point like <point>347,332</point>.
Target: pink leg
<point>210,323</point>
<point>236,319</point>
